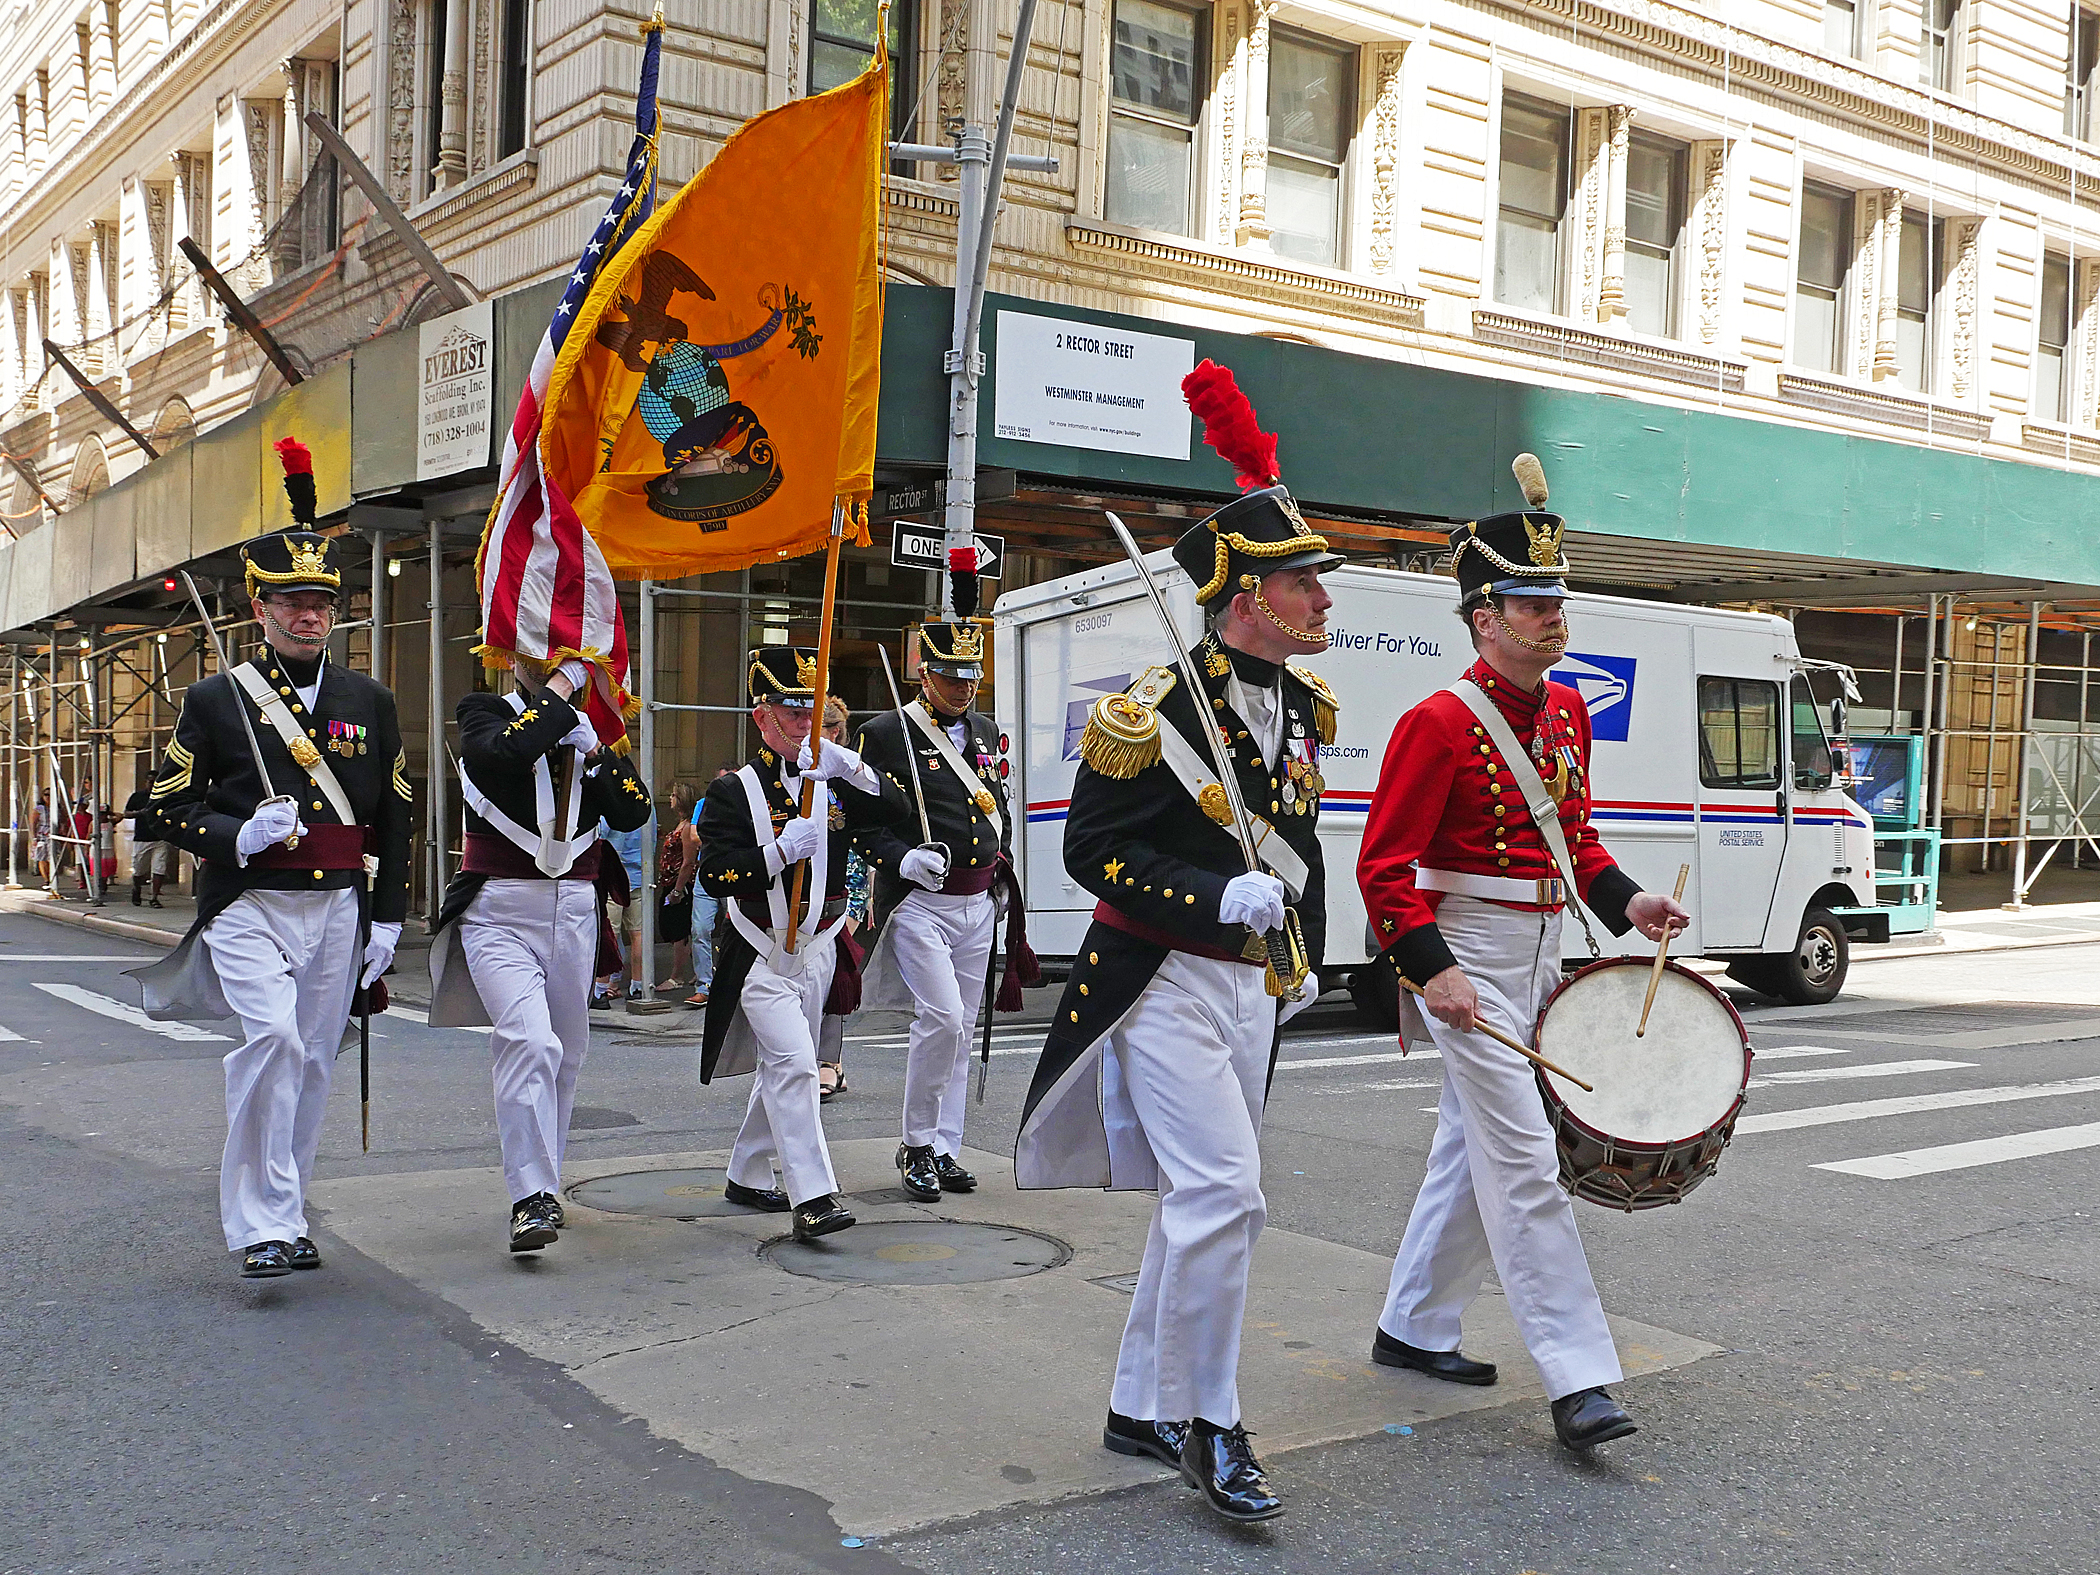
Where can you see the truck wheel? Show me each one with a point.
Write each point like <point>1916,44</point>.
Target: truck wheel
<point>1377,996</point>
<point>1811,974</point>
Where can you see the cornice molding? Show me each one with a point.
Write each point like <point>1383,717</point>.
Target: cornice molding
<point>2041,437</point>
<point>1591,347</point>
<point>1871,404</point>
<point>1282,284</point>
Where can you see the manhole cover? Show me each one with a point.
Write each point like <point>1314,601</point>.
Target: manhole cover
<point>937,1252</point>
<point>678,1194</point>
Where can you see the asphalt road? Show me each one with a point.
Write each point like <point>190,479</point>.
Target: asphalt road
<point>1908,1379</point>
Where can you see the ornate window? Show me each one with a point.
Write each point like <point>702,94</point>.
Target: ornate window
<point>1655,209</point>
<point>1939,43</point>
<point>2052,385</point>
<point>1920,271</point>
<point>1821,272</point>
<point>1531,221</point>
<point>1157,71</point>
<point>1312,110</point>
<point>842,42</point>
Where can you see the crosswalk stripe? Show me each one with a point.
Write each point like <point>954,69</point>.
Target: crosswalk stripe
<point>9,1036</point>
<point>1960,1156</point>
<point>1322,1063</point>
<point>1911,1104</point>
<point>1826,1074</point>
<point>71,957</point>
<point>413,1015</point>
<point>1789,1052</point>
<point>103,1005</point>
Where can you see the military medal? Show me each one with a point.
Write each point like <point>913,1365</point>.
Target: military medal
<point>984,800</point>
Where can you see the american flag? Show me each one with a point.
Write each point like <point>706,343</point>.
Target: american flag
<point>546,592</point>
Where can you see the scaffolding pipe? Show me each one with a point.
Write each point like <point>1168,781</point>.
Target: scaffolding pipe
<point>434,743</point>
<point>2020,805</point>
<point>1896,678</point>
<point>377,644</point>
<point>14,783</point>
<point>646,726</point>
<point>1939,788</point>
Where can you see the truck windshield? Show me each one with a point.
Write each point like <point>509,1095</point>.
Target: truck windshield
<point>1814,768</point>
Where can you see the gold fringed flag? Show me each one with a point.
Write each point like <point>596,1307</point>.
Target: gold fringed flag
<point>719,388</point>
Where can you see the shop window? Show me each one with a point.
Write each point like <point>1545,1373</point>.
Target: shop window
<point>1155,97</point>
<point>1310,115</point>
<point>1844,27</point>
<point>2052,391</point>
<point>1919,273</point>
<point>842,42</point>
<point>1533,204</point>
<point>1819,280</point>
<point>1939,43</point>
<point>1655,204</point>
<point>1738,733</point>
<point>2081,65</point>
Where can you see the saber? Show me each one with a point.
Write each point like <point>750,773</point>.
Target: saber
<point>1285,977</point>
<point>911,754</point>
<point>364,1047</point>
<point>991,971</point>
<point>262,768</point>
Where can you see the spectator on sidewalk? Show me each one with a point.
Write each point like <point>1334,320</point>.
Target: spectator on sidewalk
<point>707,915</point>
<point>625,918</point>
<point>150,861</point>
<point>40,836</point>
<point>676,856</point>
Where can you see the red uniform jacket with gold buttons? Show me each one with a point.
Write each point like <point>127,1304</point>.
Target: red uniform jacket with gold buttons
<point>1446,799</point>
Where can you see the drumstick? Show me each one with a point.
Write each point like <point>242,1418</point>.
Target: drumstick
<point>1501,1038</point>
<point>1662,951</point>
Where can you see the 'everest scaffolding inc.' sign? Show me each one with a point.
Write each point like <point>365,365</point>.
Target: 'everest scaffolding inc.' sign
<point>455,388</point>
<point>1080,385</point>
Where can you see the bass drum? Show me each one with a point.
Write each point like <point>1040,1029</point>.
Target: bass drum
<point>1665,1104</point>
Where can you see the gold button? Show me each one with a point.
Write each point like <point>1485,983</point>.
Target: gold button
<point>1084,991</point>
<point>1483,749</point>
<point>1500,846</point>
<point>317,803</point>
<point>283,691</point>
<point>1075,1017</point>
<point>1094,958</point>
<point>1274,805</point>
<point>1190,899</point>
<point>1500,810</point>
<point>317,874</point>
<point>1169,891</point>
<point>1503,862</point>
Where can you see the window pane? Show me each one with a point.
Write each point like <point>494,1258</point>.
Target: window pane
<point>1534,167</point>
<point>831,65</point>
<point>1826,238</point>
<point>844,20</point>
<point>1148,175</point>
<point>1654,177</point>
<point>1813,767</point>
<point>1839,19</point>
<point>1913,267</point>
<point>1304,209</point>
<point>1155,59</point>
<point>2056,301</point>
<point>1738,733</point>
<point>1910,351</point>
<point>1525,249</point>
<point>1649,276</point>
<point>1308,93</point>
<point>1816,329</point>
<point>2049,384</point>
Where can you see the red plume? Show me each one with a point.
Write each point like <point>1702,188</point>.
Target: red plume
<point>1230,426</point>
<point>298,458</point>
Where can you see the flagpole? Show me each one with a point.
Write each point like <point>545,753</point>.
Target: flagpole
<point>816,721</point>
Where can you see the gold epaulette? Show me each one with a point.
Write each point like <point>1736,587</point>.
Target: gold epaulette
<point>1325,707</point>
<point>1122,731</point>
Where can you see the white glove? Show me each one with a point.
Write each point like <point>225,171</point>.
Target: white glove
<point>270,824</point>
<point>582,735</point>
<point>838,763</point>
<point>1255,900</point>
<point>379,951</point>
<point>578,675</point>
<point>925,867</point>
<point>798,839</point>
<point>1306,997</point>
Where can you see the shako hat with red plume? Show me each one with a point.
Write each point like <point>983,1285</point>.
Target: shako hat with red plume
<point>1260,532</point>
<point>298,559</point>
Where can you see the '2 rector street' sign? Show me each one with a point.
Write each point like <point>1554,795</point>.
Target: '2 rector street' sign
<point>916,546</point>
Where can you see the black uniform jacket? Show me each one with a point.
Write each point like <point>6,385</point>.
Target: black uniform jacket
<point>1142,846</point>
<point>951,805</point>
<point>498,747</point>
<point>207,787</point>
<point>733,867</point>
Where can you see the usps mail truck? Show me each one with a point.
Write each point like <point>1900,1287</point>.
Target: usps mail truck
<point>1710,751</point>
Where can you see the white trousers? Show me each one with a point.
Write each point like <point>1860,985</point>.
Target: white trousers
<point>1492,1192</point>
<point>941,944</point>
<point>1192,1057</point>
<point>782,1122</point>
<point>287,963</point>
<point>531,946</point>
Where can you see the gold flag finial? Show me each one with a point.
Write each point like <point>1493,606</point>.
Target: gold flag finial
<point>655,24</point>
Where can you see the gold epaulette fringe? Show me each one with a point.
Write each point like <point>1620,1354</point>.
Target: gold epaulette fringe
<point>1121,737</point>
<point>1326,709</point>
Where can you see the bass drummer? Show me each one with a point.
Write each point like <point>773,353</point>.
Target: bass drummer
<point>1465,893</point>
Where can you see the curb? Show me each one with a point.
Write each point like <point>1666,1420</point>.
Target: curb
<point>94,921</point>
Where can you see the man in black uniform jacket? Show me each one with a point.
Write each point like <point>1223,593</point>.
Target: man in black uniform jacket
<point>935,909</point>
<point>517,942</point>
<point>1156,1065</point>
<point>766,1008</point>
<point>285,907</point>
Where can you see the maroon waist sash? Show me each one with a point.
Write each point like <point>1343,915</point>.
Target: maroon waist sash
<point>968,883</point>
<point>320,848</point>
<point>1118,920</point>
<point>488,854</point>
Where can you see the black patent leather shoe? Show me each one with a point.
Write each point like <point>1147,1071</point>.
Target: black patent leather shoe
<point>1590,1417</point>
<point>820,1217</point>
<point>1450,1366</point>
<point>266,1260</point>
<point>1219,1463</point>
<point>304,1254</point>
<point>922,1177</point>
<point>770,1199</point>
<point>1127,1435</point>
<point>556,1215</point>
<point>531,1227</point>
<point>953,1177</point>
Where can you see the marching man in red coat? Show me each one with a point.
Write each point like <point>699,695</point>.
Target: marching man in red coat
<point>1465,892</point>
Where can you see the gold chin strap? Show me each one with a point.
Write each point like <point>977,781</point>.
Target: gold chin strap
<point>1551,647</point>
<point>1249,582</point>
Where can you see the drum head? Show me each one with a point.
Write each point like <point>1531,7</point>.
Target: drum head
<point>1679,1080</point>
